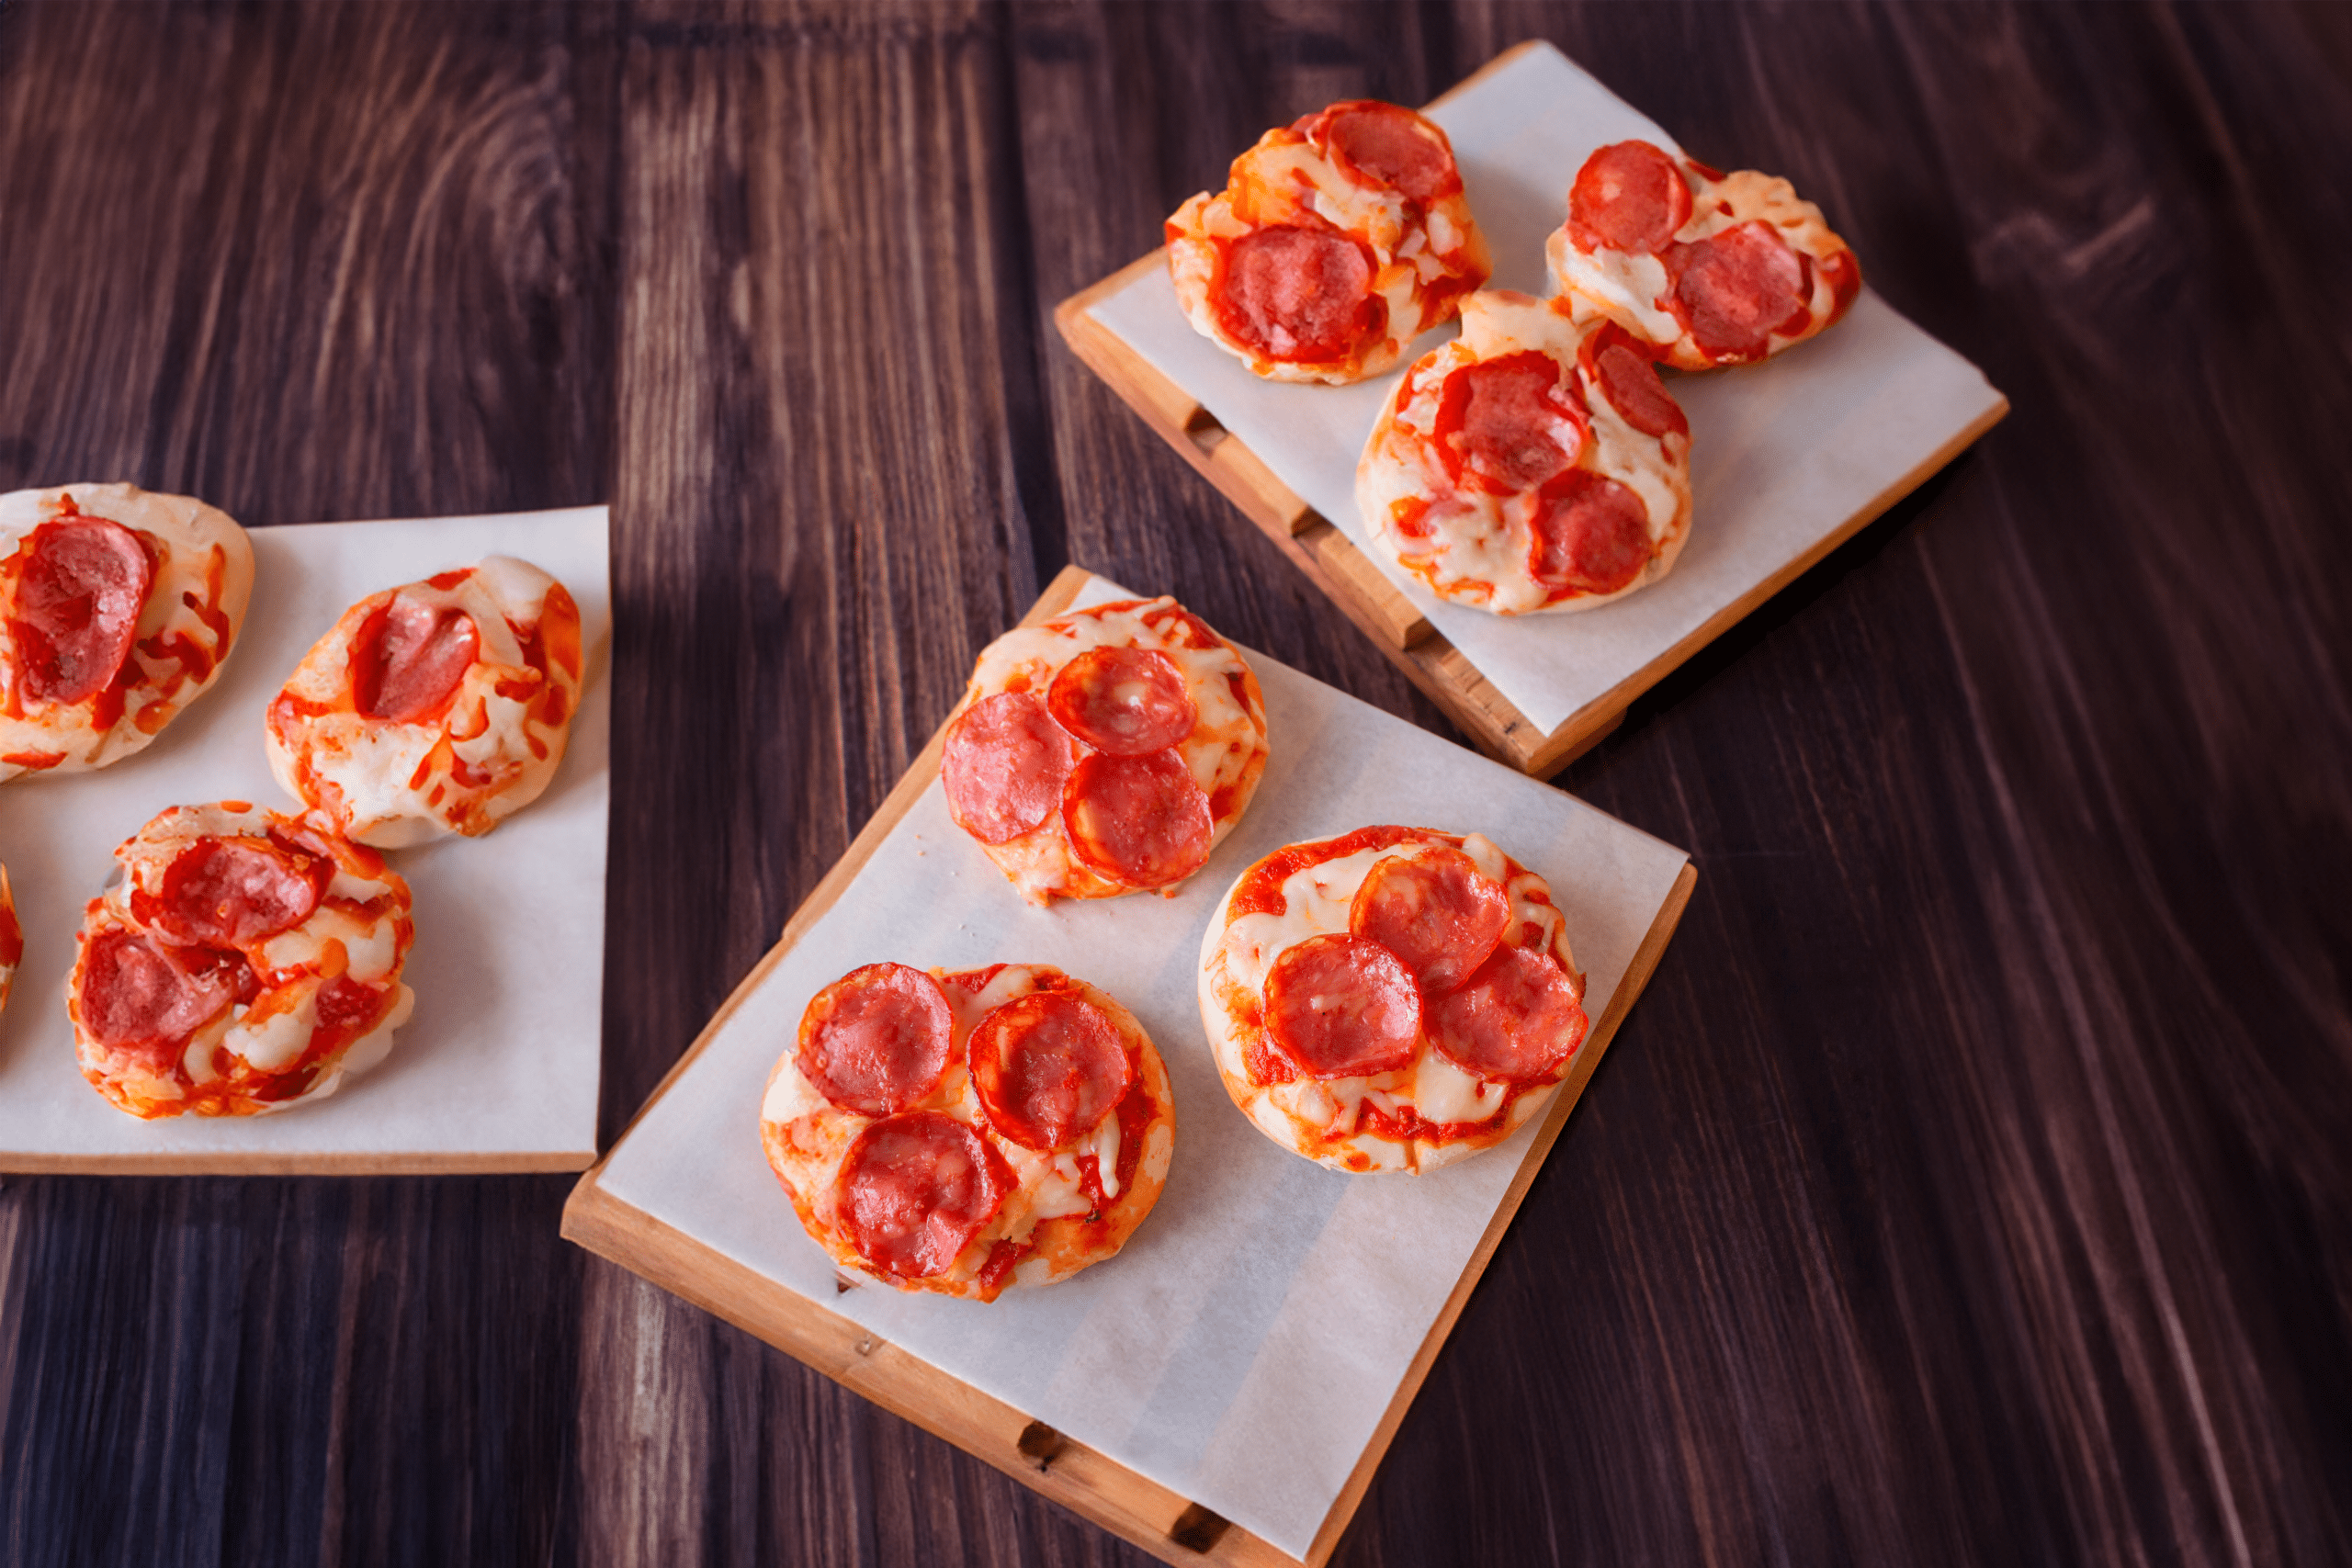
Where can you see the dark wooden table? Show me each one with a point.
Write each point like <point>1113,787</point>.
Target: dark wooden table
<point>1974,1182</point>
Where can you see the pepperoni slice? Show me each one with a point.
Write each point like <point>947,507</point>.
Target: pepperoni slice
<point>1591,534</point>
<point>1125,701</point>
<point>1507,422</point>
<point>77,607</point>
<point>1140,820</point>
<point>1516,1022</point>
<point>1738,286</point>
<point>1436,911</point>
<point>877,1040</point>
<point>1342,1007</point>
<point>232,892</point>
<point>1629,379</point>
<point>134,995</point>
<point>916,1188</point>
<point>1393,145</point>
<point>1302,294</point>
<point>1048,1066</point>
<point>1628,196</point>
<point>410,656</point>
<point>1845,278</point>
<point>1004,766</point>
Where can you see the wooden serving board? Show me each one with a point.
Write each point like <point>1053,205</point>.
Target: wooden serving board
<point>1365,595</point>
<point>1083,1479</point>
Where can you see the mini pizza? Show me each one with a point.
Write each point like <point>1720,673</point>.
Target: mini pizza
<point>961,1133</point>
<point>1710,268</point>
<point>1106,751</point>
<point>436,708</point>
<point>116,608</point>
<point>1337,241</point>
<point>1532,464</point>
<point>243,961</point>
<point>1395,999</point>
<point>12,940</point>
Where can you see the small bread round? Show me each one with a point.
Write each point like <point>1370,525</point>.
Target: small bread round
<point>433,709</point>
<point>12,940</point>
<point>1414,1108</point>
<point>117,607</point>
<point>1533,464</point>
<point>245,962</point>
<point>1071,761</point>
<point>1058,1212</point>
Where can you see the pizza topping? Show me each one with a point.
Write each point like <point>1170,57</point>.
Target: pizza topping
<point>1048,1066</point>
<point>877,1040</point>
<point>1004,766</point>
<point>1738,286</point>
<point>1628,196</point>
<point>134,995</point>
<point>1629,379</point>
<point>1506,422</point>
<point>1294,293</point>
<point>1394,146</point>
<point>77,607</point>
<point>1516,1021</point>
<point>915,1188</point>
<point>1125,701</point>
<point>1591,534</point>
<point>1342,1007</point>
<point>232,892</point>
<point>410,657</point>
<point>1436,911</point>
<point>1141,820</point>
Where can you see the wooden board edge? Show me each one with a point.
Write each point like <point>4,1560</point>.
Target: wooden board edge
<point>1081,1478</point>
<point>1636,978</point>
<point>186,1163</point>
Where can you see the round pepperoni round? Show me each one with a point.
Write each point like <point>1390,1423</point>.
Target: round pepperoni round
<point>1342,1007</point>
<point>1297,293</point>
<point>411,659</point>
<point>77,607</point>
<point>1628,196</point>
<point>1004,766</point>
<point>1125,701</point>
<point>1435,910</point>
<point>1629,379</point>
<point>1506,422</point>
<point>1048,1067</point>
<point>233,892</point>
<point>877,1040</point>
<point>133,995</point>
<point>915,1188</point>
<point>1141,819</point>
<point>1391,145</point>
<point>1516,1021</point>
<point>1592,533</point>
<point>1736,287</point>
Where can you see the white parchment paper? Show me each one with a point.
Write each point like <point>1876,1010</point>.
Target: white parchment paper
<point>1242,1347</point>
<point>1783,453</point>
<point>499,1065</point>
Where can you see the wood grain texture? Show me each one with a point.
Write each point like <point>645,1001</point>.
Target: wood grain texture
<point>1970,1184</point>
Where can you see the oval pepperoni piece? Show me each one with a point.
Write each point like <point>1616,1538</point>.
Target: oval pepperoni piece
<point>1004,766</point>
<point>232,892</point>
<point>1342,1007</point>
<point>1302,294</point>
<point>77,607</point>
<point>1394,146</point>
<point>1141,820</point>
<point>1736,287</point>
<point>1628,196</point>
<point>916,1188</point>
<point>1629,379</point>
<point>134,995</point>
<point>1591,534</point>
<point>1844,275</point>
<point>1125,701</point>
<point>1506,423</point>
<point>1518,1020</point>
<point>877,1040</point>
<point>1048,1067</point>
<point>1435,910</point>
<point>410,656</point>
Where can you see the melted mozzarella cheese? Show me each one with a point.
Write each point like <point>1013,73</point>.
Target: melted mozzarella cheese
<point>369,946</point>
<point>271,1044</point>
